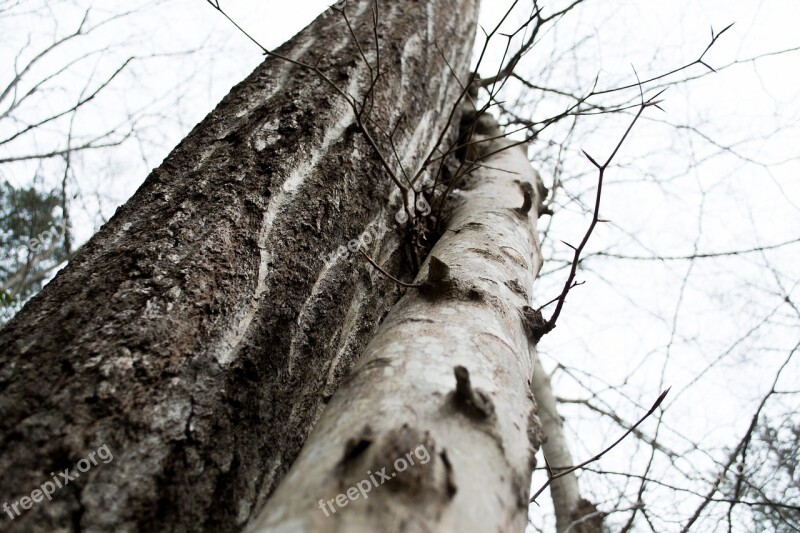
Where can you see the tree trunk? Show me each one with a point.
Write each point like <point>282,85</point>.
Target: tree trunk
<point>439,407</point>
<point>573,513</point>
<point>198,335</point>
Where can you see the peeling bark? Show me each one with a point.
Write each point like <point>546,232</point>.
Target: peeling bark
<point>448,372</point>
<point>198,334</point>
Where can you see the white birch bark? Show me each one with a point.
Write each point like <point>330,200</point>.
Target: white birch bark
<point>402,401</point>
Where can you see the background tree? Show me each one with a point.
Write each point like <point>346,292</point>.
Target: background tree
<point>31,243</point>
<point>81,111</point>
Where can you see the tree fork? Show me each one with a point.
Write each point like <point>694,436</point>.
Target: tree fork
<point>446,377</point>
<point>198,335</point>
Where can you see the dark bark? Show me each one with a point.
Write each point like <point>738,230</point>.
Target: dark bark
<point>198,335</point>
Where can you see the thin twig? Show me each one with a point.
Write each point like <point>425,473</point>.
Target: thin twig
<point>382,271</point>
<point>568,284</point>
<point>601,454</point>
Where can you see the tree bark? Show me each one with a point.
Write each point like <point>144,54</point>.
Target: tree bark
<point>198,334</point>
<point>447,378</point>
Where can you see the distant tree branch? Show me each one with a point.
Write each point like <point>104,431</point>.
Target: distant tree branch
<point>564,470</point>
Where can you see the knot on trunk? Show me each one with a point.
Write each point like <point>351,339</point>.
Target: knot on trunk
<point>536,326</point>
<point>473,402</point>
<point>355,446</point>
<point>527,202</point>
<point>438,281</point>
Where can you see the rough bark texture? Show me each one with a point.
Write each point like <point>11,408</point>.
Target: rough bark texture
<point>447,376</point>
<point>573,513</point>
<point>198,334</point>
